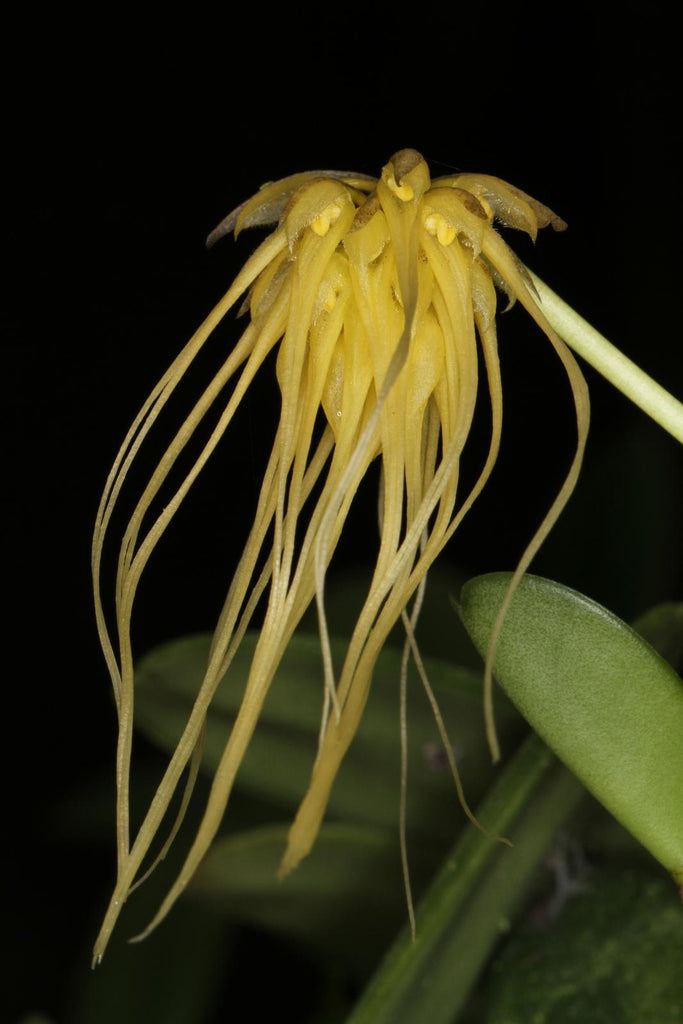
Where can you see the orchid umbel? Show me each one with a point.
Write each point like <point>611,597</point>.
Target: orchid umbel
<point>374,293</point>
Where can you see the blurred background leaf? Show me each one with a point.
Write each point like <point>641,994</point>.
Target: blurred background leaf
<point>615,954</point>
<point>662,626</point>
<point>343,904</point>
<point>278,763</point>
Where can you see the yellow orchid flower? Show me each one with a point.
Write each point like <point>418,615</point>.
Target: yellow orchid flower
<point>376,294</point>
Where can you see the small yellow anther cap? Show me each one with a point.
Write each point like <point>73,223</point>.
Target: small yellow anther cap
<point>437,225</point>
<point>321,224</point>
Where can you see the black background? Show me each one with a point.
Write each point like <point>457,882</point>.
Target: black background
<point>126,144</point>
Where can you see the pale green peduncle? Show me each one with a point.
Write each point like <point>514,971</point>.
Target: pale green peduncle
<point>618,369</point>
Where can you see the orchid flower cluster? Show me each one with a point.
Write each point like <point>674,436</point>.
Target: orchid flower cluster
<point>379,297</point>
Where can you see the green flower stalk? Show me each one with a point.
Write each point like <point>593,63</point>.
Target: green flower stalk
<point>618,369</point>
<point>377,295</point>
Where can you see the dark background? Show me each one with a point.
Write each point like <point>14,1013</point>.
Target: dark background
<point>126,145</point>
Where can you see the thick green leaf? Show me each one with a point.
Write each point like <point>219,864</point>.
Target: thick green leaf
<point>598,694</point>
<point>615,954</point>
<point>278,763</point>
